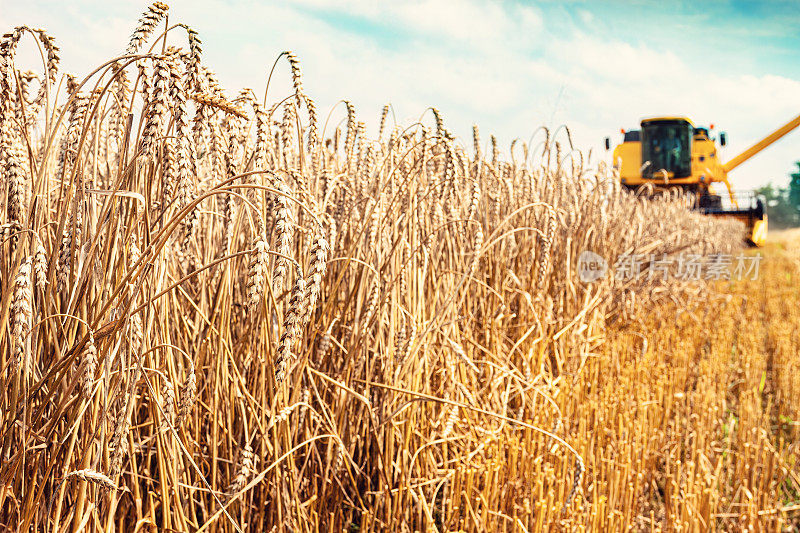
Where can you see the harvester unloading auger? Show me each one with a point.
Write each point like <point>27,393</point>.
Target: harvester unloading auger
<point>673,152</point>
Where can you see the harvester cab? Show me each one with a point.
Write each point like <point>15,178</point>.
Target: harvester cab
<point>670,152</point>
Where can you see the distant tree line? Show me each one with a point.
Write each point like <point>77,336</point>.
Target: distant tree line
<point>783,203</point>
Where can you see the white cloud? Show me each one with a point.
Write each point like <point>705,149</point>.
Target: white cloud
<point>586,17</point>
<point>458,21</point>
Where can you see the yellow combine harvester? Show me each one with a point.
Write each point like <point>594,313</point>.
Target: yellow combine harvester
<point>673,152</point>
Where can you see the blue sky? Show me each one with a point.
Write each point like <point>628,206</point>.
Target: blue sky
<point>506,66</point>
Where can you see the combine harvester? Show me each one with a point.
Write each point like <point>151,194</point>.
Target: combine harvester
<point>672,152</point>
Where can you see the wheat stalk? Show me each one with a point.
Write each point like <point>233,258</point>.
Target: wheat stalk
<point>21,316</point>
<point>92,476</point>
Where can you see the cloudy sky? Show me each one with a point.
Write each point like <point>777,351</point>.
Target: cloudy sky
<point>507,66</point>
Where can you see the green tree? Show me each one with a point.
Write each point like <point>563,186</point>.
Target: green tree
<point>794,188</point>
<point>783,203</point>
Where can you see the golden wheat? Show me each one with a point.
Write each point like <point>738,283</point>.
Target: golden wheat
<point>375,334</point>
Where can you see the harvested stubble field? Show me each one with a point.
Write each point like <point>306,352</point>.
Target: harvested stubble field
<point>228,313</point>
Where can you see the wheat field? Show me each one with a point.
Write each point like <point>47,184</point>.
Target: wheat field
<point>227,313</point>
